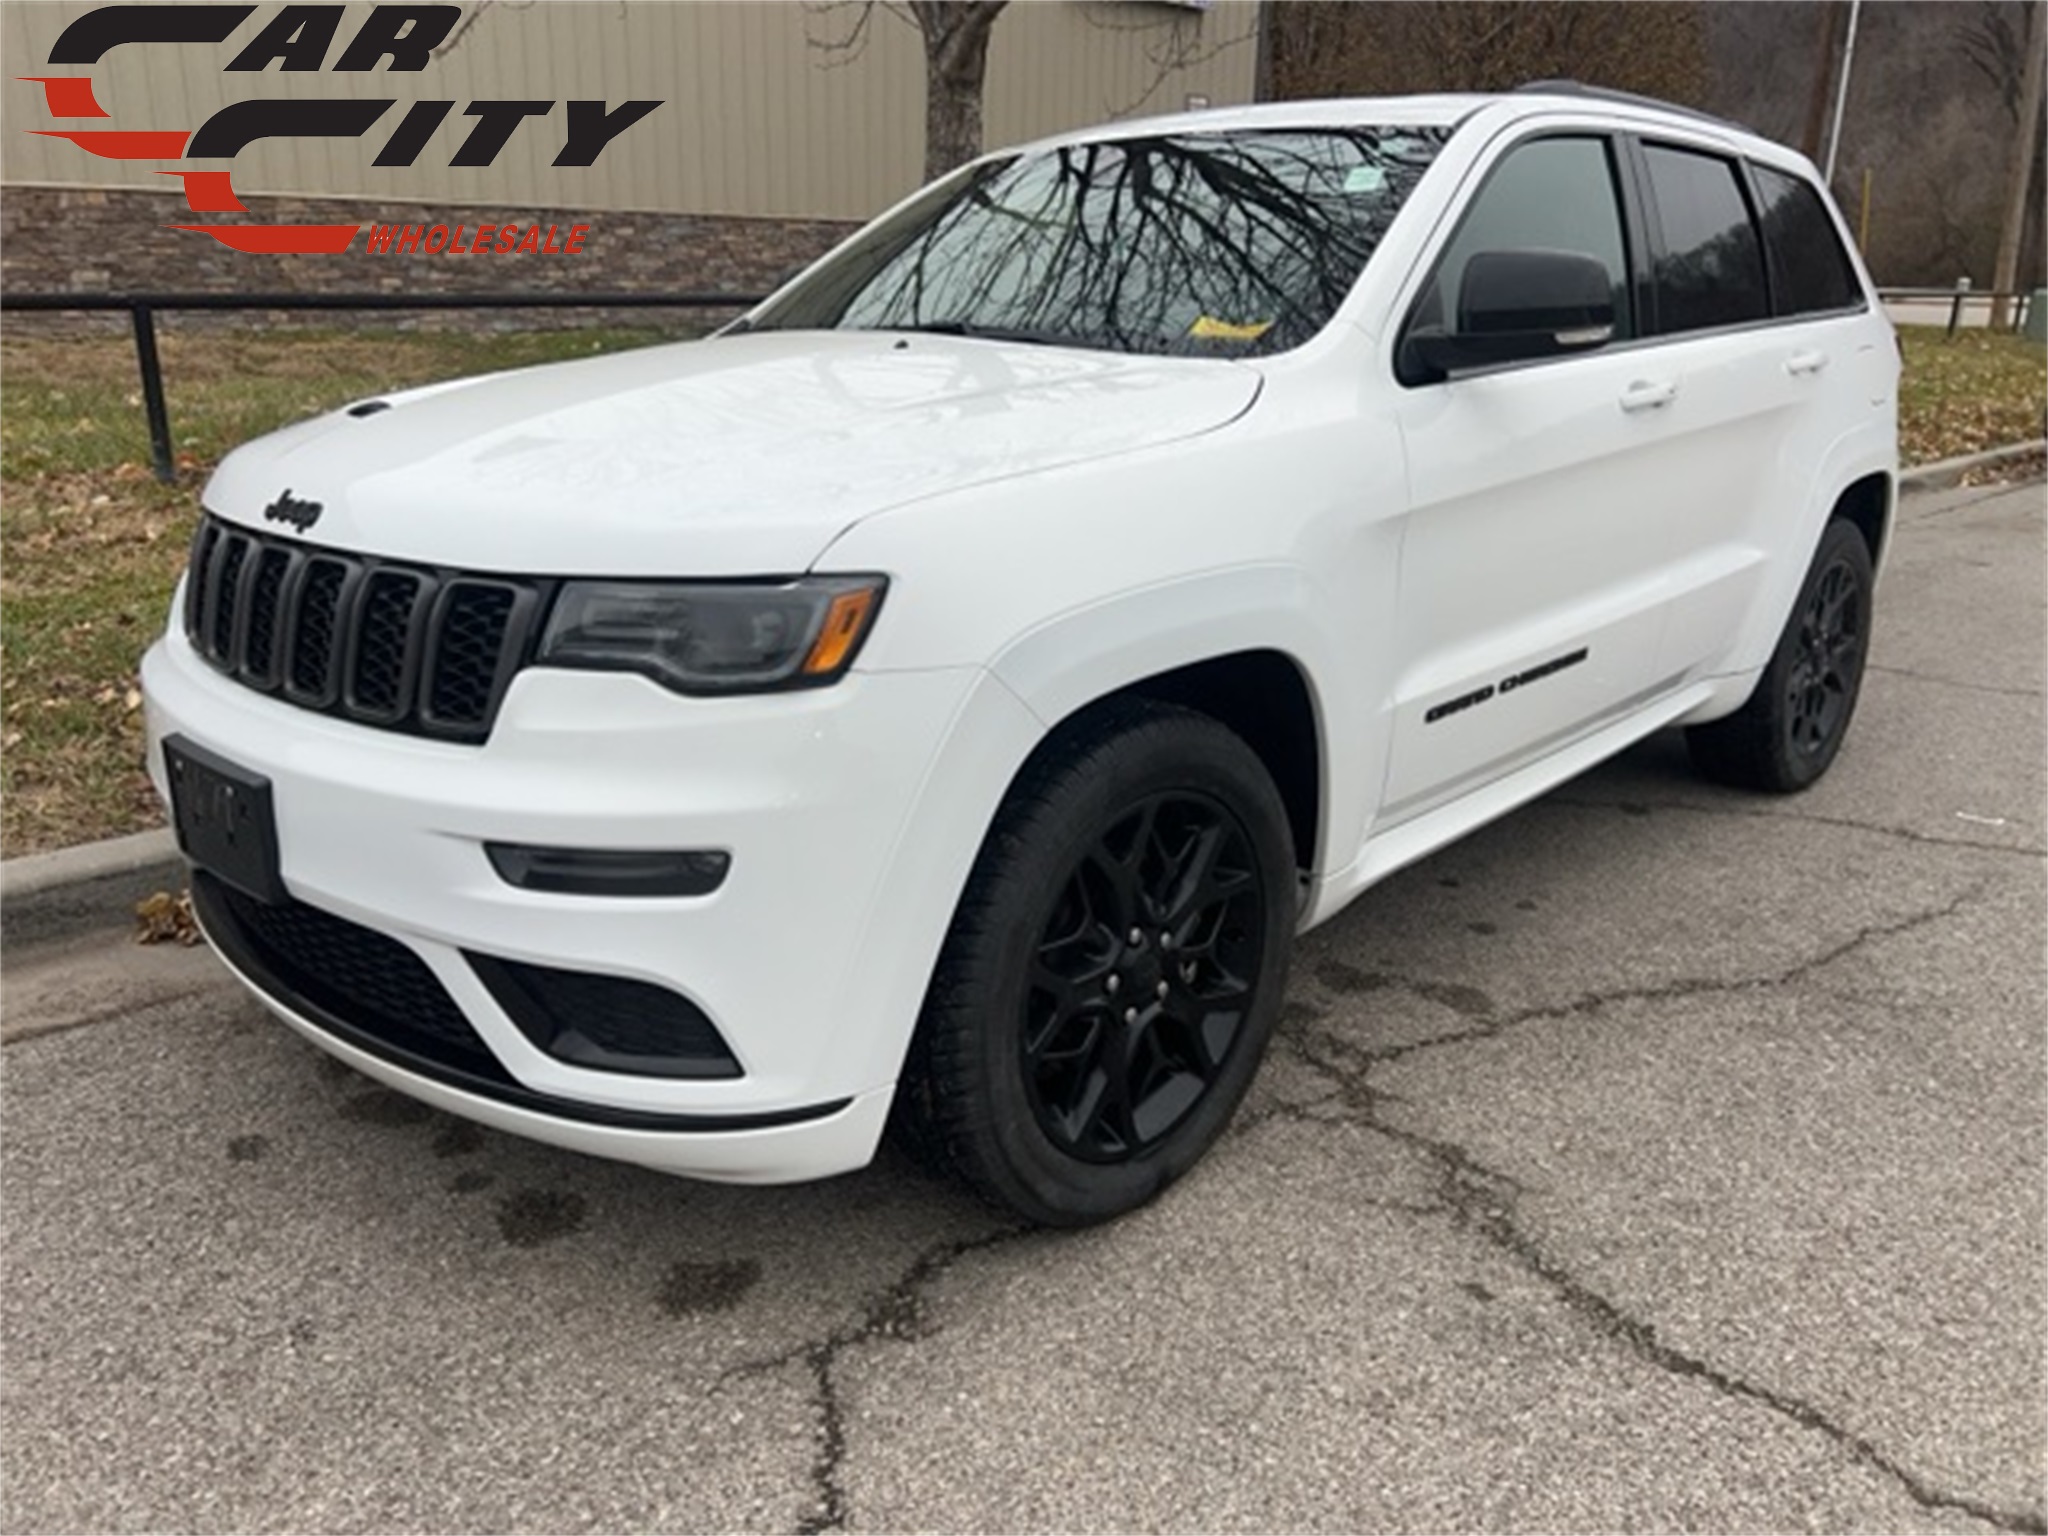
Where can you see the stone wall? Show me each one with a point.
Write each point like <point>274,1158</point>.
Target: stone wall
<point>100,240</point>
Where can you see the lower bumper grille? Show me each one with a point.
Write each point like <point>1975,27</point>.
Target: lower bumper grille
<point>345,972</point>
<point>608,1023</point>
<point>372,992</point>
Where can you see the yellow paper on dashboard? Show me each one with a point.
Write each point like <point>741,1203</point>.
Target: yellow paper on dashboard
<point>1209,328</point>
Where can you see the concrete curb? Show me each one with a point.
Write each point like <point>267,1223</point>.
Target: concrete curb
<point>1947,472</point>
<point>48,896</point>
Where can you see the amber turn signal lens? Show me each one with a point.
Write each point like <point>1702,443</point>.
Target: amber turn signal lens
<point>845,621</point>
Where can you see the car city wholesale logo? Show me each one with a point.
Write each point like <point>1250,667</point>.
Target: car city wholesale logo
<point>299,38</point>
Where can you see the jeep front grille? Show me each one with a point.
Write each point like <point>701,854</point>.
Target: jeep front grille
<point>401,647</point>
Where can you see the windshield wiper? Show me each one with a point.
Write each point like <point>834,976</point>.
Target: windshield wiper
<point>976,332</point>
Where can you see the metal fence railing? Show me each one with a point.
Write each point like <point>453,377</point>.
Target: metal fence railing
<point>143,308</point>
<point>1958,301</point>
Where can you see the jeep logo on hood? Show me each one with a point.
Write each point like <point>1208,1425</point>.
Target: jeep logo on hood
<point>300,514</point>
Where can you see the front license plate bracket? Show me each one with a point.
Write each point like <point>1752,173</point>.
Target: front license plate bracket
<point>224,818</point>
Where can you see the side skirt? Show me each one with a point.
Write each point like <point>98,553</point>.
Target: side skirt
<point>1398,846</point>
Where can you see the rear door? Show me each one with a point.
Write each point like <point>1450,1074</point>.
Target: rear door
<point>1840,363</point>
<point>1745,381</point>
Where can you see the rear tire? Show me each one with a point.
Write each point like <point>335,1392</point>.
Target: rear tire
<point>1783,739</point>
<point>1114,969</point>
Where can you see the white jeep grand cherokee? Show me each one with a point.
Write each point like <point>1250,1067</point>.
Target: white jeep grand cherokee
<point>951,687</point>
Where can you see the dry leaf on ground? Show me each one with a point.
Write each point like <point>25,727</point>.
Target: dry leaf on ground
<point>166,919</point>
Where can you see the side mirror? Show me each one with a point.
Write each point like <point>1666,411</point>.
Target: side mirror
<point>1514,306</point>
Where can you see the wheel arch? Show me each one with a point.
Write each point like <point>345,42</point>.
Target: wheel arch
<point>1856,483</point>
<point>1237,646</point>
<point>1868,505</point>
<point>968,1097</point>
<point>1263,697</point>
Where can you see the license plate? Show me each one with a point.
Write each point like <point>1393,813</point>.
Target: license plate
<point>224,818</point>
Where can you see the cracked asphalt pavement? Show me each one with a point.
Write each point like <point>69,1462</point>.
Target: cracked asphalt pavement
<point>1657,1158</point>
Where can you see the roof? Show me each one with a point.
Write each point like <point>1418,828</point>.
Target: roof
<point>1441,110</point>
<point>1402,111</point>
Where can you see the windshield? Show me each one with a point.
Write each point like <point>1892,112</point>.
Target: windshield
<point>1223,244</point>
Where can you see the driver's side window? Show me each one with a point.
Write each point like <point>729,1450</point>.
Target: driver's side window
<point>1551,194</point>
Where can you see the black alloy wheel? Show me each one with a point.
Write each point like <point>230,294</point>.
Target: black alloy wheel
<point>1113,971</point>
<point>1787,734</point>
<point>1820,684</point>
<point>1144,976</point>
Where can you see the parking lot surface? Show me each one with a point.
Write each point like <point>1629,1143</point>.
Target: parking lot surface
<point>1659,1157</point>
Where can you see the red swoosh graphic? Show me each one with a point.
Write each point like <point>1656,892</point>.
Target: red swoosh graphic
<point>167,144</point>
<point>208,192</point>
<point>67,95</point>
<point>280,239</point>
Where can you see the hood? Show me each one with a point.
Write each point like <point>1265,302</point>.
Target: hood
<point>740,456</point>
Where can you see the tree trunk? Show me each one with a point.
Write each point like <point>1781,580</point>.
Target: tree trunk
<point>1834,16</point>
<point>956,34</point>
<point>2020,175</point>
<point>2032,272</point>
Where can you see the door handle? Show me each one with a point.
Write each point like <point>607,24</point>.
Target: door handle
<point>1806,362</point>
<point>1648,394</point>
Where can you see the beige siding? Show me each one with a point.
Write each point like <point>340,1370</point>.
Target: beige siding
<point>758,119</point>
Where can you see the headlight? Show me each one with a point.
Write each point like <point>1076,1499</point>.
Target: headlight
<point>740,638</point>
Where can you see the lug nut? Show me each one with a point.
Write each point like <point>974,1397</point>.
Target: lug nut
<point>1137,936</point>
<point>1130,1015</point>
<point>1113,986</point>
<point>1162,989</point>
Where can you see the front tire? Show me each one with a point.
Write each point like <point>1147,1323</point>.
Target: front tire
<point>1783,739</point>
<point>1114,970</point>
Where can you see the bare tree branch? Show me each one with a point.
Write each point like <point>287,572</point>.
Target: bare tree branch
<point>955,34</point>
<point>1991,37</point>
<point>1368,47</point>
<point>1179,49</point>
<point>454,39</point>
<point>844,50</point>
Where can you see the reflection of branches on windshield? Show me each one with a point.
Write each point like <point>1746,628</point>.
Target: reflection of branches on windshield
<point>1287,238</point>
<point>1299,224</point>
<point>1223,243</point>
<point>1233,226</point>
<point>1172,214</point>
<point>1065,192</point>
<point>969,283</point>
<point>1113,308</point>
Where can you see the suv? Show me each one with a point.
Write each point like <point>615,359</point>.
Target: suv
<point>941,696</point>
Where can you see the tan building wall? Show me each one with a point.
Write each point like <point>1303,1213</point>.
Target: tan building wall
<point>759,120</point>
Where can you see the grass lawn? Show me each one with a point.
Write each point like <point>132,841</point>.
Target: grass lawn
<point>1975,391</point>
<point>90,544</point>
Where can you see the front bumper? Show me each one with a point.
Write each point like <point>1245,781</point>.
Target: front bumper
<point>851,815</point>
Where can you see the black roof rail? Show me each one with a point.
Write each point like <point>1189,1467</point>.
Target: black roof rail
<point>1622,98</point>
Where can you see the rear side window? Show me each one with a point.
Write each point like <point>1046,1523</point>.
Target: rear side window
<point>1812,272</point>
<point>1711,271</point>
<point>1546,195</point>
